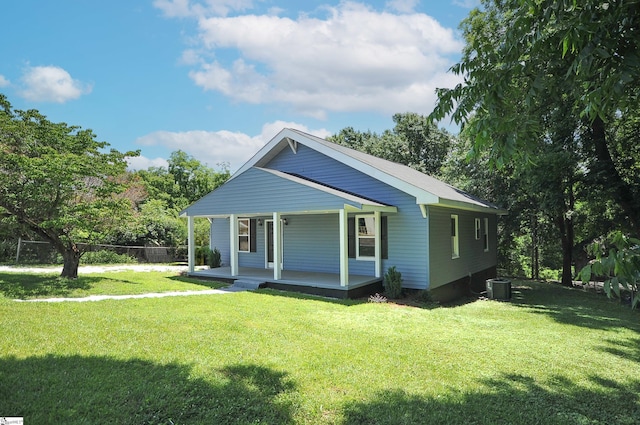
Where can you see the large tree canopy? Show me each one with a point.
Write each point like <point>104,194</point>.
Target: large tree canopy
<point>58,182</point>
<point>528,61</point>
<point>550,93</point>
<point>414,141</point>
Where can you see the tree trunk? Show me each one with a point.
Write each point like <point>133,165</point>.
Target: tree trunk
<point>565,226</point>
<point>71,259</point>
<point>535,250</point>
<point>609,177</point>
<point>567,254</point>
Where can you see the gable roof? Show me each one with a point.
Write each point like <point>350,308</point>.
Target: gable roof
<point>277,191</point>
<point>426,189</point>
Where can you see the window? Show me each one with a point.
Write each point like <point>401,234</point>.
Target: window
<point>244,228</point>
<point>455,238</point>
<point>366,237</point>
<point>353,238</point>
<point>486,234</point>
<point>477,229</point>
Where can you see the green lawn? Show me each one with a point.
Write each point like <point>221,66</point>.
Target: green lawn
<point>32,286</point>
<point>552,355</point>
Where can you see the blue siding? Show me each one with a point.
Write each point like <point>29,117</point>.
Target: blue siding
<point>472,258</point>
<point>311,243</point>
<point>408,230</point>
<point>220,239</point>
<point>257,192</point>
<point>419,248</point>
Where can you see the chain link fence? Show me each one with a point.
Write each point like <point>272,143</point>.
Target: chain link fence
<point>39,252</point>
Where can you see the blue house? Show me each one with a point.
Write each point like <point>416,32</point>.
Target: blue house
<point>309,215</point>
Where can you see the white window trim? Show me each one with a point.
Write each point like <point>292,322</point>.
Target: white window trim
<point>455,239</point>
<point>477,228</point>
<point>248,235</point>
<point>486,235</point>
<point>358,237</point>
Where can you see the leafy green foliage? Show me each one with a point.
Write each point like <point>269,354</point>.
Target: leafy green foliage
<point>59,183</point>
<point>393,283</point>
<point>414,141</point>
<point>617,259</point>
<point>549,98</point>
<point>106,257</point>
<point>183,181</point>
<point>215,258</point>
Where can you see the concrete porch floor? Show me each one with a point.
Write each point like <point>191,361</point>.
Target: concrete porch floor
<point>325,284</point>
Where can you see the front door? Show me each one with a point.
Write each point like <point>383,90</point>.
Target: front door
<point>269,241</point>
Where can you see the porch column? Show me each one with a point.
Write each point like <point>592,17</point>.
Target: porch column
<point>277,247</point>
<point>233,243</point>
<point>191,244</point>
<point>378,245</point>
<point>344,249</point>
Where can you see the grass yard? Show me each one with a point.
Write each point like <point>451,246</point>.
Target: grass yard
<point>33,286</point>
<point>551,356</point>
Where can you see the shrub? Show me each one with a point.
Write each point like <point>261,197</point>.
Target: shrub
<point>215,259</point>
<point>202,255</point>
<point>106,257</point>
<point>424,296</point>
<point>393,283</point>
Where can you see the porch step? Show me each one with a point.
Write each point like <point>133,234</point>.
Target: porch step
<point>248,283</point>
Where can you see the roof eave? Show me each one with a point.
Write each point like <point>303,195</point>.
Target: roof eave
<point>466,206</point>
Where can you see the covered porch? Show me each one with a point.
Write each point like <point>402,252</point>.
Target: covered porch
<point>315,283</point>
<point>313,252</point>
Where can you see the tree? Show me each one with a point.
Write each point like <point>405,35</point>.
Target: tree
<point>414,141</point>
<point>58,182</point>
<point>183,181</point>
<point>526,58</point>
<point>546,83</point>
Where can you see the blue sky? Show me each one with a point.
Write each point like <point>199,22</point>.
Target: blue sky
<point>219,78</point>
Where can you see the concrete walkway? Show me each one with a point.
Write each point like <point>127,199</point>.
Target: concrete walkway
<point>228,290</point>
<point>117,268</point>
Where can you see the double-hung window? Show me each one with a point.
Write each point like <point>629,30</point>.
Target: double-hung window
<point>366,237</point>
<point>244,235</point>
<point>455,237</point>
<point>477,229</point>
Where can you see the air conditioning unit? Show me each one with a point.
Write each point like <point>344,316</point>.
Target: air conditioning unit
<point>499,289</point>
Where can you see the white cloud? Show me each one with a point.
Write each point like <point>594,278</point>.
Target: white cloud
<point>143,163</point>
<point>51,84</point>
<point>352,59</point>
<point>3,81</point>
<point>216,147</point>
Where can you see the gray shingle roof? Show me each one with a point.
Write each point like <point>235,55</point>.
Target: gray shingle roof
<point>426,189</point>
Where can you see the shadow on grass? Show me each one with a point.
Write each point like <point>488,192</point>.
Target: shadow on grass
<point>77,389</point>
<point>302,296</point>
<point>512,399</point>
<point>628,350</point>
<point>213,284</point>
<point>574,306</point>
<point>24,286</point>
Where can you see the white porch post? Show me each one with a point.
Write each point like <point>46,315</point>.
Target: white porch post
<point>233,243</point>
<point>277,247</point>
<point>191,244</point>
<point>378,245</point>
<point>344,248</point>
